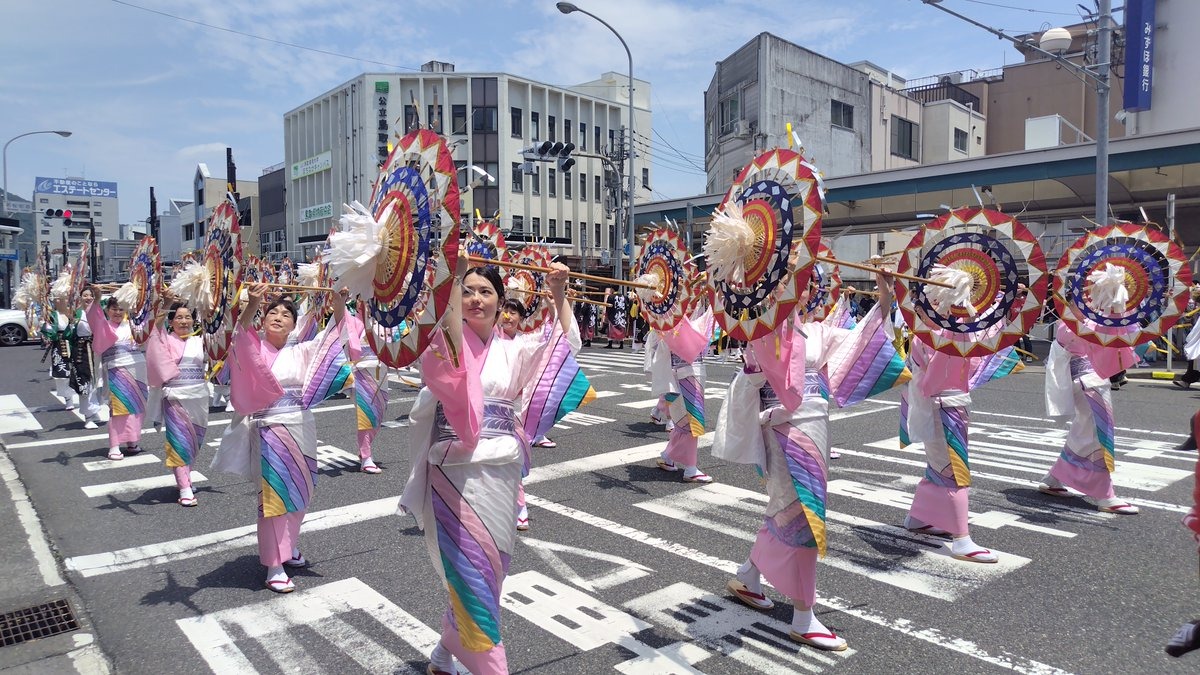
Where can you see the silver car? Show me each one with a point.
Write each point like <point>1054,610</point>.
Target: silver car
<point>13,330</point>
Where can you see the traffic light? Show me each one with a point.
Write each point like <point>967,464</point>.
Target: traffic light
<point>65,214</point>
<point>549,151</point>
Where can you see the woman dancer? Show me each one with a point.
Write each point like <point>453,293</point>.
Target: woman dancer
<point>617,316</point>
<point>175,364</point>
<point>57,333</point>
<point>124,374</point>
<point>273,387</point>
<point>1076,383</point>
<point>370,388</point>
<point>683,391</point>
<point>83,372</point>
<point>468,455</point>
<point>776,417</point>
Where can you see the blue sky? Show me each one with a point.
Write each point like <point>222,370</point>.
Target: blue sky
<point>148,96</point>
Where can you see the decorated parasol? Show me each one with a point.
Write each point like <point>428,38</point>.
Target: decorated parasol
<point>762,243</point>
<point>528,287</point>
<point>487,242</point>
<point>991,282</point>
<point>825,285</point>
<point>662,263</point>
<point>81,274</point>
<point>221,256</point>
<point>287,271</point>
<point>384,252</point>
<point>141,296</point>
<point>1122,285</point>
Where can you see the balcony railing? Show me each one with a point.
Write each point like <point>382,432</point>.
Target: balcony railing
<point>943,91</point>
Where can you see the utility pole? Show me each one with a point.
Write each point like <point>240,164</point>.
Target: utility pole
<point>153,215</point>
<point>616,161</point>
<point>64,249</point>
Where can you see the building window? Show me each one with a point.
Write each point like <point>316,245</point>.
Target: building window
<point>551,128</point>
<point>566,185</point>
<point>566,131</point>
<point>97,213</point>
<point>841,114</point>
<point>189,231</point>
<point>535,179</point>
<point>612,138</point>
<point>518,227</point>
<point>535,125</point>
<point>553,228</point>
<point>410,118</point>
<point>729,112</point>
<point>646,177</point>
<point>583,135</point>
<point>43,200</point>
<point>458,119</point>
<point>596,242</point>
<point>597,145</point>
<point>45,231</point>
<point>279,235</point>
<point>97,204</point>
<point>265,239</point>
<point>960,140</point>
<point>583,187</point>
<point>516,178</point>
<point>552,182</point>
<point>435,117</point>
<point>567,231</point>
<point>596,188</point>
<point>483,119</point>
<point>905,138</point>
<point>517,130</point>
<point>537,228</point>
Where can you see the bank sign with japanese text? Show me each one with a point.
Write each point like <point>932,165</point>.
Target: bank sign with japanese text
<point>75,187</point>
<point>1139,54</point>
<point>316,212</point>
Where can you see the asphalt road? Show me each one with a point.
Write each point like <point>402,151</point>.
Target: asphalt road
<point>625,566</point>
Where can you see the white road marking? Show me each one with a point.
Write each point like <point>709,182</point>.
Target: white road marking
<point>903,626</point>
<point>223,540</point>
<point>587,623</point>
<point>15,416</point>
<point>333,457</point>
<point>1027,418</point>
<point>136,485</point>
<point>135,460</point>
<point>272,624</point>
<point>39,547</point>
<point>578,419</point>
<point>932,571</point>
<point>732,629</point>
<point>605,460</point>
<point>984,475</point>
<point>992,520</point>
<point>554,555</point>
<point>1134,475</point>
<point>150,430</point>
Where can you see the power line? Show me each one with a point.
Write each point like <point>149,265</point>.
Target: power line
<point>690,165</point>
<point>1020,9</point>
<point>666,161</point>
<point>264,39</point>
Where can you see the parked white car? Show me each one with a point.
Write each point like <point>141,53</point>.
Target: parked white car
<point>13,330</point>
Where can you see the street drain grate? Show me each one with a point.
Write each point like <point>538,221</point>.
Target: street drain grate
<point>37,622</point>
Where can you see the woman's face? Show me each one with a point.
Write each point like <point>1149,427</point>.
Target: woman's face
<point>481,304</point>
<point>508,322</point>
<point>87,298</point>
<point>279,322</point>
<point>114,312</point>
<point>183,323</point>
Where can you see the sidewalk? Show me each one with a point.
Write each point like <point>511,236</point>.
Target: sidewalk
<point>33,579</point>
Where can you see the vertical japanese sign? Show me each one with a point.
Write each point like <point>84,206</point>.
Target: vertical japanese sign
<point>381,114</point>
<point>1139,54</point>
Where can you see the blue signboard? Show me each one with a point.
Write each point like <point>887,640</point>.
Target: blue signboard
<point>75,187</point>
<point>1139,54</point>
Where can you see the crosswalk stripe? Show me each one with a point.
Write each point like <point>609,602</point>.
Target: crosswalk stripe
<point>102,464</point>
<point>136,485</point>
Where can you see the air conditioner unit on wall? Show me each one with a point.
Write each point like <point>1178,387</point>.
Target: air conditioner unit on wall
<point>743,129</point>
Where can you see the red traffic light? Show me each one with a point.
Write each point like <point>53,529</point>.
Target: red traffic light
<point>66,213</point>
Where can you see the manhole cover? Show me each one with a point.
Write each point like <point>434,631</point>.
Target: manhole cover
<point>37,622</point>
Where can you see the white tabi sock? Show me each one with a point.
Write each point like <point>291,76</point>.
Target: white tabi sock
<point>806,624</point>
<point>186,493</point>
<point>276,574</point>
<point>441,659</point>
<point>964,547</point>
<point>748,574</point>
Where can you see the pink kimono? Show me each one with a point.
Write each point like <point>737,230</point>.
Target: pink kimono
<point>1077,385</point>
<point>370,385</point>
<point>176,368</point>
<point>683,390</point>
<point>125,375</point>
<point>468,450</point>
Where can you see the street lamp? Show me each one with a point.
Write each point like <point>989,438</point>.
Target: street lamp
<point>64,134</point>
<point>1053,43</point>
<point>567,8</point>
<point>484,177</point>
